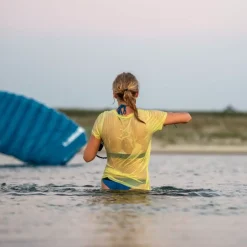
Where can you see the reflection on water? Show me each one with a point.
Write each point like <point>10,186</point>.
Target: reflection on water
<point>118,222</point>
<point>125,198</point>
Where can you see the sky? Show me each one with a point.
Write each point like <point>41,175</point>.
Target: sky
<point>187,55</point>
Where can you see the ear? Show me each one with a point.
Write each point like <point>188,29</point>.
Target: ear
<point>137,94</point>
<point>114,95</point>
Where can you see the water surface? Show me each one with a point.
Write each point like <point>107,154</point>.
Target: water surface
<point>196,200</point>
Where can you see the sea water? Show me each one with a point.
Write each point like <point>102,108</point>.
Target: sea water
<point>196,200</point>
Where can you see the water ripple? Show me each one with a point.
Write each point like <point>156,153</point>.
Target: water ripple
<point>173,191</point>
<point>75,190</point>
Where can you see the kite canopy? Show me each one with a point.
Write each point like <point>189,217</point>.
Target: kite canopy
<point>35,133</point>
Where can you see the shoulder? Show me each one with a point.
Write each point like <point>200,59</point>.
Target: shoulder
<point>107,113</point>
<point>104,114</point>
<point>152,116</point>
<point>150,113</point>
<point>143,111</point>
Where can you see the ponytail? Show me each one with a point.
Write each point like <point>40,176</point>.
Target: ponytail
<point>131,102</point>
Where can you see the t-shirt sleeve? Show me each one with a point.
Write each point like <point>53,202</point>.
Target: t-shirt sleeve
<point>157,120</point>
<point>97,127</point>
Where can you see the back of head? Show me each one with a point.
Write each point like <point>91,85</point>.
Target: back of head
<point>126,89</point>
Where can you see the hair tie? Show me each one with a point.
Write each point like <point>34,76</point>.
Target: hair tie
<point>126,89</point>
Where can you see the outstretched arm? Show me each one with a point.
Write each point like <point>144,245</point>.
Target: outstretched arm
<point>91,149</point>
<point>177,118</point>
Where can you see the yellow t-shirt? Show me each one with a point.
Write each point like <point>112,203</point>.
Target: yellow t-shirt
<point>128,144</point>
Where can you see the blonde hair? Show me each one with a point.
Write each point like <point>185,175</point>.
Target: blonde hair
<point>126,86</point>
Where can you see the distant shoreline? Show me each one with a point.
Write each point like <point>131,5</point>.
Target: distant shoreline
<point>158,148</point>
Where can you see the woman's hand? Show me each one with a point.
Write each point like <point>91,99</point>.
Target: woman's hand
<point>91,149</point>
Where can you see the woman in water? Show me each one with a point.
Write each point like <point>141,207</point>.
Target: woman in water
<point>126,133</point>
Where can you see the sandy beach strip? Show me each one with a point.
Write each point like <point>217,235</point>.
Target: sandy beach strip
<point>199,149</point>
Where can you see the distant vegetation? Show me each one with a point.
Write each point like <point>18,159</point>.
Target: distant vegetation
<point>228,127</point>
